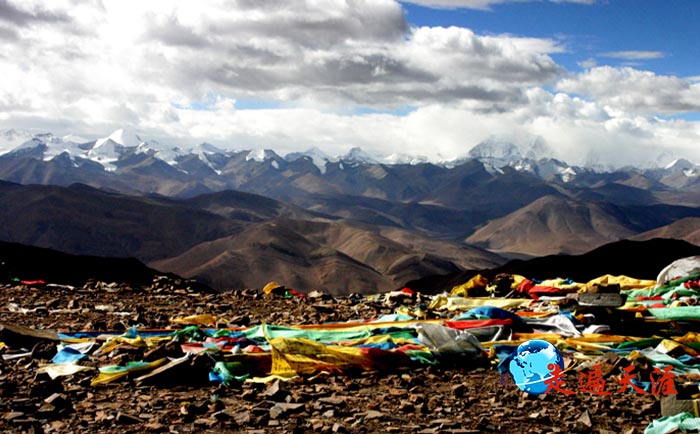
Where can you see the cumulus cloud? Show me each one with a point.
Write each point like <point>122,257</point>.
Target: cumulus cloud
<point>579,131</point>
<point>26,13</point>
<point>365,54</point>
<point>632,90</point>
<point>354,52</point>
<point>181,72</point>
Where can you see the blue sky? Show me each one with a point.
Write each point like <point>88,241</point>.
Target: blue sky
<point>671,28</point>
<point>600,82</point>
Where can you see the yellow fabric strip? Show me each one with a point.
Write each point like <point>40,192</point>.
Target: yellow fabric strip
<point>462,290</point>
<point>462,303</point>
<point>561,284</point>
<point>291,356</point>
<point>625,282</point>
<point>204,319</point>
<point>592,342</point>
<point>672,345</point>
<point>379,339</point>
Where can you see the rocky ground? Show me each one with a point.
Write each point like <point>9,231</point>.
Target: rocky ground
<point>448,399</point>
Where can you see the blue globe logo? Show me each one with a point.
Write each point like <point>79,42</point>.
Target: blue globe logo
<point>533,363</point>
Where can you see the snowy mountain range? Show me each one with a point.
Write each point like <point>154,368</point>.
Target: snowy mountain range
<point>109,150</point>
<point>124,146</point>
<point>504,195</point>
<point>501,152</point>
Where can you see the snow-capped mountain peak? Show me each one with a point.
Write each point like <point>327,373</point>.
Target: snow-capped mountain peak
<point>167,153</point>
<point>533,156</point>
<point>679,164</point>
<point>107,151</point>
<point>493,148</point>
<point>47,146</point>
<point>317,156</point>
<point>123,136</point>
<point>503,151</point>
<point>33,143</point>
<point>74,139</point>
<point>206,148</point>
<point>206,152</point>
<point>498,156</point>
<point>548,168</point>
<point>357,155</point>
<point>261,155</point>
<point>398,158</point>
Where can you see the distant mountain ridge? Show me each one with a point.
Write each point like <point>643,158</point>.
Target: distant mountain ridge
<point>566,226</point>
<point>228,239</point>
<point>495,151</point>
<point>508,195</point>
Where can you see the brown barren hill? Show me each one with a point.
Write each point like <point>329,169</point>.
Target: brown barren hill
<point>306,255</point>
<point>687,229</point>
<point>273,251</point>
<point>551,225</point>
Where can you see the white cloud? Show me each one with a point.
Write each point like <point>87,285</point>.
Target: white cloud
<point>482,4</point>
<point>588,63</point>
<point>579,131</point>
<point>634,55</point>
<point>633,90</point>
<point>176,69</point>
<point>338,53</point>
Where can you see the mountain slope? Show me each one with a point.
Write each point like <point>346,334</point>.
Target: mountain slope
<point>551,224</point>
<point>687,229</point>
<point>446,201</point>
<point>311,255</point>
<point>432,220</point>
<point>60,170</point>
<point>248,207</point>
<point>83,220</point>
<point>227,238</point>
<point>269,251</point>
<point>471,185</point>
